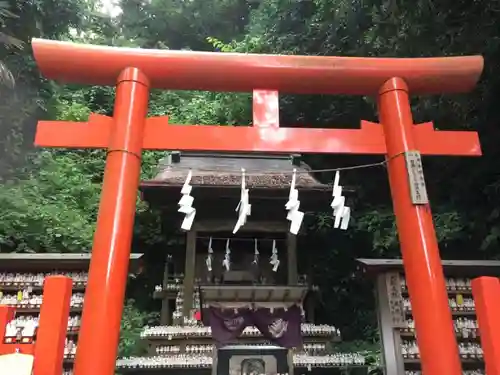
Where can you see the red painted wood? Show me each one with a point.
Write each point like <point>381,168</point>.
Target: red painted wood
<point>187,70</point>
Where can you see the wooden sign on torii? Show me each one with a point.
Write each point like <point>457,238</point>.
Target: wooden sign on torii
<point>128,132</point>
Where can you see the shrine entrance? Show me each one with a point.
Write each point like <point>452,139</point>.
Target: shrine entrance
<point>128,132</point>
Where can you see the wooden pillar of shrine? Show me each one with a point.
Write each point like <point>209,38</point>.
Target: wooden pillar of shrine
<point>165,303</point>
<point>291,245</point>
<point>189,273</point>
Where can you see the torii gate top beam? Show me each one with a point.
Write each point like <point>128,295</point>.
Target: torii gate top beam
<point>185,70</point>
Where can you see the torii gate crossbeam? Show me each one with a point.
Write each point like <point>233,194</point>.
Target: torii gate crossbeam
<point>128,132</point>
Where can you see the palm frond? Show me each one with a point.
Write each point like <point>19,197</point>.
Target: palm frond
<point>5,10</point>
<point>8,41</point>
<point>6,76</point>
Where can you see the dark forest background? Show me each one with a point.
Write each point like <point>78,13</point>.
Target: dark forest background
<point>49,198</point>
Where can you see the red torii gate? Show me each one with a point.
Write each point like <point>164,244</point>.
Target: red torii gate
<point>128,132</point>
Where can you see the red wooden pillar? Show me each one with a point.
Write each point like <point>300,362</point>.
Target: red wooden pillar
<point>6,315</point>
<point>103,306</point>
<point>419,247</point>
<point>486,292</point>
<point>53,328</point>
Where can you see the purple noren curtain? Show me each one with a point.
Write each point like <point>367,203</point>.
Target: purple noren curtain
<point>283,327</point>
<point>280,326</point>
<point>228,324</point>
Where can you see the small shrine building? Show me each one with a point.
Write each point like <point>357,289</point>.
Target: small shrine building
<point>245,289</point>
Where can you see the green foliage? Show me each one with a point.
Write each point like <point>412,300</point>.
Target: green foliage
<point>53,207</point>
<point>202,108</point>
<point>133,321</point>
<point>181,24</point>
<point>370,351</point>
<point>221,46</point>
<point>50,211</point>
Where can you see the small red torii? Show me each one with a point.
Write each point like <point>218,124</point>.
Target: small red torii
<point>128,132</point>
<point>48,349</point>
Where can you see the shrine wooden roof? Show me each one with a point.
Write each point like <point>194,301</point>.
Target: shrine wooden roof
<point>224,170</point>
<point>242,295</point>
<point>216,181</point>
<point>464,268</point>
<point>17,262</point>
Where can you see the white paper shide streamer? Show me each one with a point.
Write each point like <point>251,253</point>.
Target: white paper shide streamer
<point>341,213</point>
<point>226,263</point>
<point>292,206</point>
<point>244,208</point>
<point>256,253</point>
<point>186,204</point>
<point>274,260</point>
<point>210,255</point>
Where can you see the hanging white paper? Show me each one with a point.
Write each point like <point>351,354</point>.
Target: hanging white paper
<point>186,204</point>
<point>186,187</point>
<point>187,223</point>
<point>296,223</point>
<point>292,212</point>
<point>186,200</point>
<point>209,259</point>
<point>274,260</point>
<point>346,216</point>
<point>293,199</point>
<point>294,215</point>
<point>227,257</point>
<point>187,210</point>
<point>341,213</point>
<point>244,208</point>
<point>338,205</point>
<point>256,253</point>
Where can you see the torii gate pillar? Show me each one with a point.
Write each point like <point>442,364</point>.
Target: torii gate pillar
<point>419,246</point>
<point>108,271</point>
<point>128,132</point>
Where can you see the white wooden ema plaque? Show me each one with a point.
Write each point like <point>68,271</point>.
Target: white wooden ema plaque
<point>416,178</point>
<point>16,364</point>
